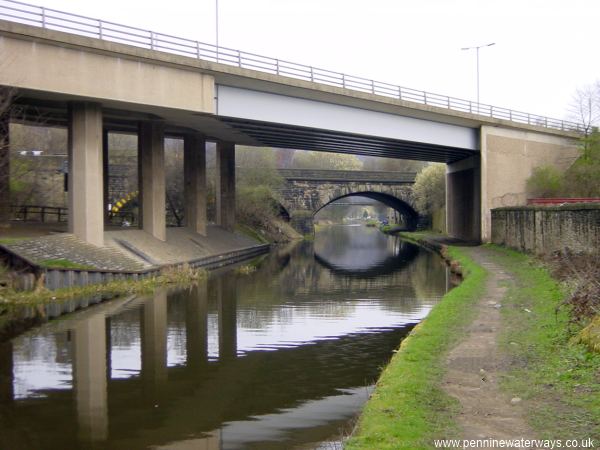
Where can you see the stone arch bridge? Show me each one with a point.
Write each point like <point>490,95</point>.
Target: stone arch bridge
<point>307,191</point>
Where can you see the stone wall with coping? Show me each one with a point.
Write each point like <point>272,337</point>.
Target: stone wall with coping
<point>547,229</point>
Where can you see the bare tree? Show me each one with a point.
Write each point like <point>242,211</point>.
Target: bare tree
<point>585,106</point>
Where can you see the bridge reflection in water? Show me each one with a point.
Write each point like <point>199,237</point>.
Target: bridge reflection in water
<point>281,357</point>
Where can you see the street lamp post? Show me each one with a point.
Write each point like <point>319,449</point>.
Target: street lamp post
<point>217,27</point>
<point>477,53</point>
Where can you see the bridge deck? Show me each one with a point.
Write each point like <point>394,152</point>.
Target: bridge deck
<point>29,14</point>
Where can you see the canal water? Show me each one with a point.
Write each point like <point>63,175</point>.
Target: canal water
<point>281,353</point>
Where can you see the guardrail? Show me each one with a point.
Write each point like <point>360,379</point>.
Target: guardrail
<point>34,213</point>
<point>52,214</point>
<point>109,31</point>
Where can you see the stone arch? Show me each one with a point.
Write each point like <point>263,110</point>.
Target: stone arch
<point>402,205</point>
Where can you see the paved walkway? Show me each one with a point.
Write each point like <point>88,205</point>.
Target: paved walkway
<point>474,366</point>
<point>65,246</point>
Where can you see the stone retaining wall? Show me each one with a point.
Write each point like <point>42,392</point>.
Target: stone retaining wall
<point>547,229</point>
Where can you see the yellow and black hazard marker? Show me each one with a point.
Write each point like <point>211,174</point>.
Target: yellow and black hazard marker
<point>119,204</point>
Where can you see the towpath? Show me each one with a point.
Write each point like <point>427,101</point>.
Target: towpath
<point>474,365</point>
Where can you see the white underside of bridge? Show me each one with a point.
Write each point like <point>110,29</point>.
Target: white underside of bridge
<point>274,108</point>
<point>291,122</point>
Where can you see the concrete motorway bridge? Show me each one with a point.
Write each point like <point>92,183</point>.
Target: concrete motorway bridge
<point>306,191</point>
<point>96,77</point>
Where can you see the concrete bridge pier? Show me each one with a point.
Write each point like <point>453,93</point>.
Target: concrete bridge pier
<point>151,161</point>
<point>194,179</point>
<point>86,212</point>
<point>463,199</point>
<point>226,185</point>
<point>4,168</point>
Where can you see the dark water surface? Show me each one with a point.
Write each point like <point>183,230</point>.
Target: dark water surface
<point>282,357</point>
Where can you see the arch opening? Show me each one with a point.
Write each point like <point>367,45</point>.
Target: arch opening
<point>409,215</point>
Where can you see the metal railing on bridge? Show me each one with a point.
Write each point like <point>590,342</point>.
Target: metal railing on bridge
<point>109,31</point>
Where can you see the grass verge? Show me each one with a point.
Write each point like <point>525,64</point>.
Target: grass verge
<point>559,380</point>
<point>63,264</point>
<point>408,408</point>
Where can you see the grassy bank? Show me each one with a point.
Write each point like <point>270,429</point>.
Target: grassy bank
<point>408,408</point>
<point>558,380</point>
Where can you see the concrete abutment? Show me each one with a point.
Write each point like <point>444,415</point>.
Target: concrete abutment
<point>463,193</point>
<point>498,176</point>
<point>508,158</point>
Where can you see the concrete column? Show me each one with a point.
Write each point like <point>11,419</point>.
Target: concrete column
<point>194,174</point>
<point>227,298</point>
<point>154,339</point>
<point>463,199</point>
<point>196,326</point>
<point>89,377</point>
<point>151,160</point>
<point>86,215</point>
<point>105,178</point>
<point>4,169</point>
<point>226,185</point>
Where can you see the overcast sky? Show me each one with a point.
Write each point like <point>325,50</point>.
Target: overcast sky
<point>544,49</point>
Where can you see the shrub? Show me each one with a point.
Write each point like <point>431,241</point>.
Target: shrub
<point>430,188</point>
<point>255,205</point>
<point>545,181</point>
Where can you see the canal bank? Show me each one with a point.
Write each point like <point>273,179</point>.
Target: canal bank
<point>280,356</point>
<point>46,272</point>
<point>492,360</point>
<point>61,260</point>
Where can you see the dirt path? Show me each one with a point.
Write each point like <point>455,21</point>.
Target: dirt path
<point>474,365</point>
